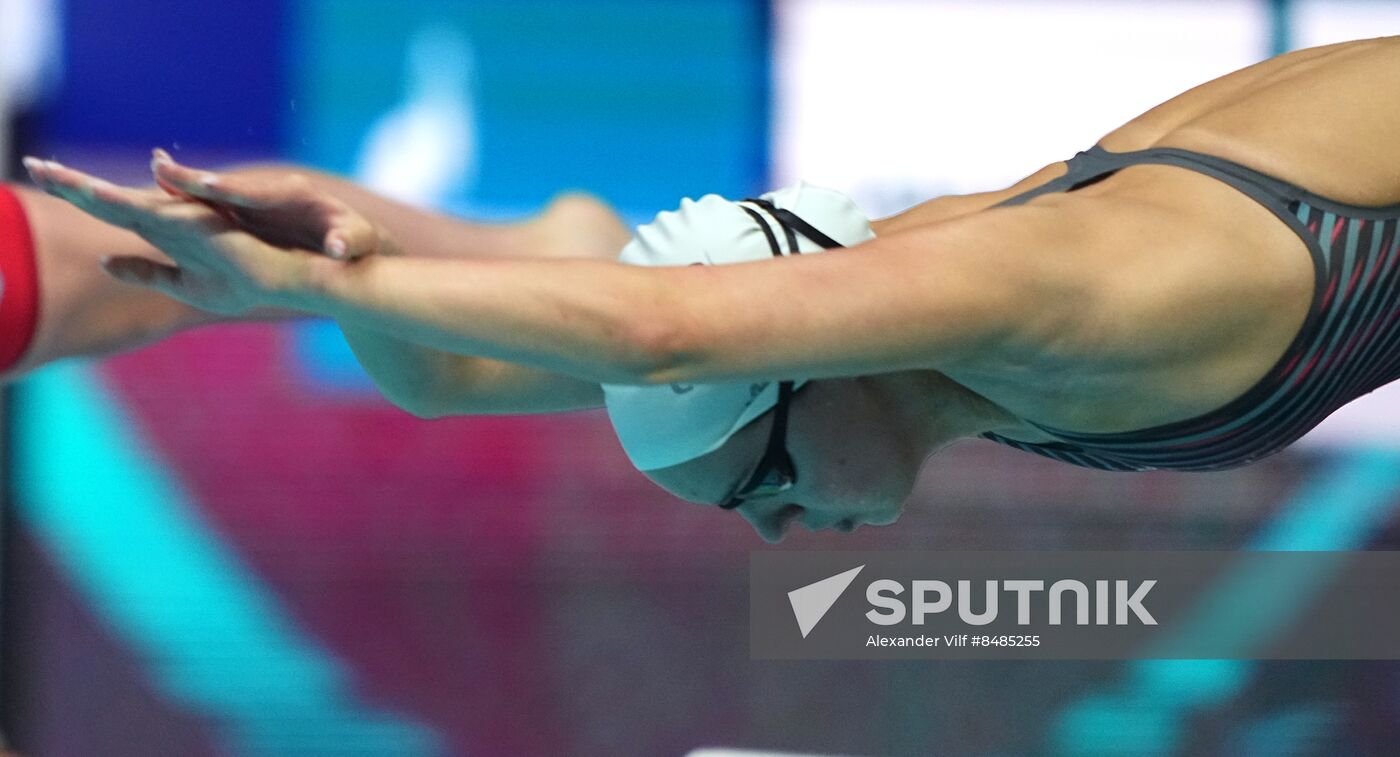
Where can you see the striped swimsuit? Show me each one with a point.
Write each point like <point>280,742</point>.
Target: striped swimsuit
<point>1349,343</point>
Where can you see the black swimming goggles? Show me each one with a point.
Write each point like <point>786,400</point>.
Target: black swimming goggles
<point>775,472</point>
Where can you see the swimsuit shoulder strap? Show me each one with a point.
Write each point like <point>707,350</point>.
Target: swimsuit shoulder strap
<point>1096,163</point>
<point>1084,168</point>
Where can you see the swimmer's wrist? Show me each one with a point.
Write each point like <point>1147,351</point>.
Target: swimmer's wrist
<point>321,279</point>
<point>309,284</point>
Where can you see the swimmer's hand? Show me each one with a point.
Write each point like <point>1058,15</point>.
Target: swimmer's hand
<point>284,210</point>
<point>218,267</point>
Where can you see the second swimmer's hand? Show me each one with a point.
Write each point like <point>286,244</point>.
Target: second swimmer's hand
<point>283,209</point>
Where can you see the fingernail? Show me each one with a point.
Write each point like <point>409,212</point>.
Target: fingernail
<point>209,180</point>
<point>336,248</point>
<point>33,164</point>
<point>161,156</point>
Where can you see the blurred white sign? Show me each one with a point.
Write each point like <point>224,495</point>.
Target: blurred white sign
<point>894,101</point>
<point>1324,22</point>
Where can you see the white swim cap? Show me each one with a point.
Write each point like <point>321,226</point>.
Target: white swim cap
<point>661,426</point>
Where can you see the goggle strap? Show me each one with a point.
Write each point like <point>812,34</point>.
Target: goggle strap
<point>767,232</point>
<point>790,220</point>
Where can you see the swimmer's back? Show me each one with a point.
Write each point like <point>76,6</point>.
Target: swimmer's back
<point>1324,118</point>
<point>1202,288</point>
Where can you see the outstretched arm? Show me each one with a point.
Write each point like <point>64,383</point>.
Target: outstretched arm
<point>939,296</point>
<point>936,296</point>
<point>294,207</point>
<point>87,312</point>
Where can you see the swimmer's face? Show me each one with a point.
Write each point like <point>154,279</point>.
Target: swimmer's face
<point>854,467</point>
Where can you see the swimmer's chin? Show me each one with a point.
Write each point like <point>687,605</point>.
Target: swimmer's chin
<point>842,526</point>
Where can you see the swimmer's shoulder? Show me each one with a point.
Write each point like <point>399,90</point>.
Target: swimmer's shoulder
<point>1311,117</point>
<point>1267,116</point>
<point>950,207</point>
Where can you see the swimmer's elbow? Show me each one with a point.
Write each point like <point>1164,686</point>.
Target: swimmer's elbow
<point>412,380</point>
<point>416,400</point>
<point>476,387</point>
<point>436,405</point>
<point>426,409</point>
<point>424,412</point>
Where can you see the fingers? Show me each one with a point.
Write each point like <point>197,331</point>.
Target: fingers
<point>165,185</point>
<point>351,237</point>
<point>208,185</point>
<point>120,206</point>
<point>144,272</point>
<point>284,209</point>
<point>250,192</point>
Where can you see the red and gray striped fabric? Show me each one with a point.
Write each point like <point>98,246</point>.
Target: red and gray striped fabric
<point>1348,345</point>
